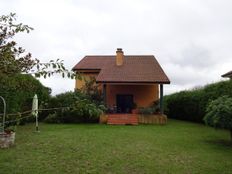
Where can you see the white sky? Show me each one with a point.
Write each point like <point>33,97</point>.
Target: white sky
<point>191,39</point>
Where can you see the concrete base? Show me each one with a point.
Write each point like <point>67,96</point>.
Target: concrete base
<point>7,139</point>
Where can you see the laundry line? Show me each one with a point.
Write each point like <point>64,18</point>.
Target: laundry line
<point>29,112</point>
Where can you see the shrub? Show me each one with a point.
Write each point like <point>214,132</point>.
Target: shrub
<point>153,109</point>
<point>18,90</point>
<point>81,108</point>
<point>91,89</point>
<point>52,118</point>
<point>219,113</point>
<point>191,105</point>
<point>147,111</point>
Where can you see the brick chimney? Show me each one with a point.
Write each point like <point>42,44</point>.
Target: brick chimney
<point>119,57</point>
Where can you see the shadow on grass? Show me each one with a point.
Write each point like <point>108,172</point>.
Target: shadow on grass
<point>221,142</point>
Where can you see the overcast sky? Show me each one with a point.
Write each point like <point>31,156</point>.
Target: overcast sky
<point>192,39</point>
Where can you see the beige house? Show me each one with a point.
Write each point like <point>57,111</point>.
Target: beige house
<point>124,79</point>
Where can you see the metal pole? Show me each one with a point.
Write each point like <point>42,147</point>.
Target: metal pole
<point>36,124</point>
<point>4,113</point>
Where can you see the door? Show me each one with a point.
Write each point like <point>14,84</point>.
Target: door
<point>124,103</point>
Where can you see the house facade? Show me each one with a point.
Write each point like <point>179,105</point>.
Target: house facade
<point>124,80</point>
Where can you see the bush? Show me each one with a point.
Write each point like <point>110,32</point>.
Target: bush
<point>81,108</point>
<point>191,105</point>
<point>153,109</point>
<point>147,111</point>
<point>18,90</point>
<point>219,113</point>
<point>52,118</point>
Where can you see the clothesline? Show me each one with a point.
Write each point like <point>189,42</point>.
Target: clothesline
<point>29,112</point>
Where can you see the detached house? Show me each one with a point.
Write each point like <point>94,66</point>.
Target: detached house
<point>124,79</point>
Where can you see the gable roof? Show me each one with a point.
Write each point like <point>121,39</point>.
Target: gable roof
<point>228,74</point>
<point>135,69</point>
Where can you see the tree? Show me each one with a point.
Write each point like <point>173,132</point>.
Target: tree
<point>219,113</point>
<point>14,59</point>
<point>17,66</point>
<point>91,88</point>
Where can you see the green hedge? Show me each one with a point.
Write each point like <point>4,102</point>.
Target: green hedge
<point>18,91</point>
<point>191,105</point>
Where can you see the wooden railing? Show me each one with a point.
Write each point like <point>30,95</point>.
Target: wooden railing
<point>153,119</point>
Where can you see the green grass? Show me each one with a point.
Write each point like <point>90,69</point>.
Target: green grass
<point>178,147</point>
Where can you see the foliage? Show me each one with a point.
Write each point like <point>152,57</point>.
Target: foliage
<point>82,111</point>
<point>52,118</point>
<point>219,113</point>
<point>16,88</point>
<point>77,107</point>
<point>18,91</point>
<point>153,109</point>
<point>134,105</point>
<point>147,111</point>
<point>156,106</point>
<point>14,59</point>
<point>85,105</point>
<point>191,105</point>
<point>65,99</point>
<point>91,89</point>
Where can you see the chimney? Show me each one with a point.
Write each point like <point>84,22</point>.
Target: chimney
<point>119,57</point>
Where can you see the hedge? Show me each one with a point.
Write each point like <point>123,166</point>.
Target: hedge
<point>191,105</point>
<point>18,91</point>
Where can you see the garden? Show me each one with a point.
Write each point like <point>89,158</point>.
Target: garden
<point>71,141</point>
<point>178,147</point>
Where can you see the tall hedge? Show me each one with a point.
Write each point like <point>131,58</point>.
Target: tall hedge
<point>191,105</point>
<point>18,91</point>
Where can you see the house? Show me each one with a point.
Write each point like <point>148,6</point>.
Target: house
<point>124,80</point>
<point>228,74</point>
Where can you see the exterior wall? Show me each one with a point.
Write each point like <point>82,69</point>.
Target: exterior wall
<point>143,95</point>
<point>80,83</point>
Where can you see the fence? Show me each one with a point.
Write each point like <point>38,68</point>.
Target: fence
<point>153,119</point>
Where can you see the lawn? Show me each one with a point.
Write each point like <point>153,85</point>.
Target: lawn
<point>178,147</point>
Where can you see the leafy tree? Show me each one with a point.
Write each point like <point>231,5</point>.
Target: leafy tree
<point>17,85</point>
<point>219,113</point>
<point>14,59</point>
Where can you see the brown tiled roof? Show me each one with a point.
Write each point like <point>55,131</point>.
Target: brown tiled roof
<point>135,69</point>
<point>93,62</point>
<point>228,74</point>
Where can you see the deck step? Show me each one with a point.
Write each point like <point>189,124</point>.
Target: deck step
<point>123,119</point>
